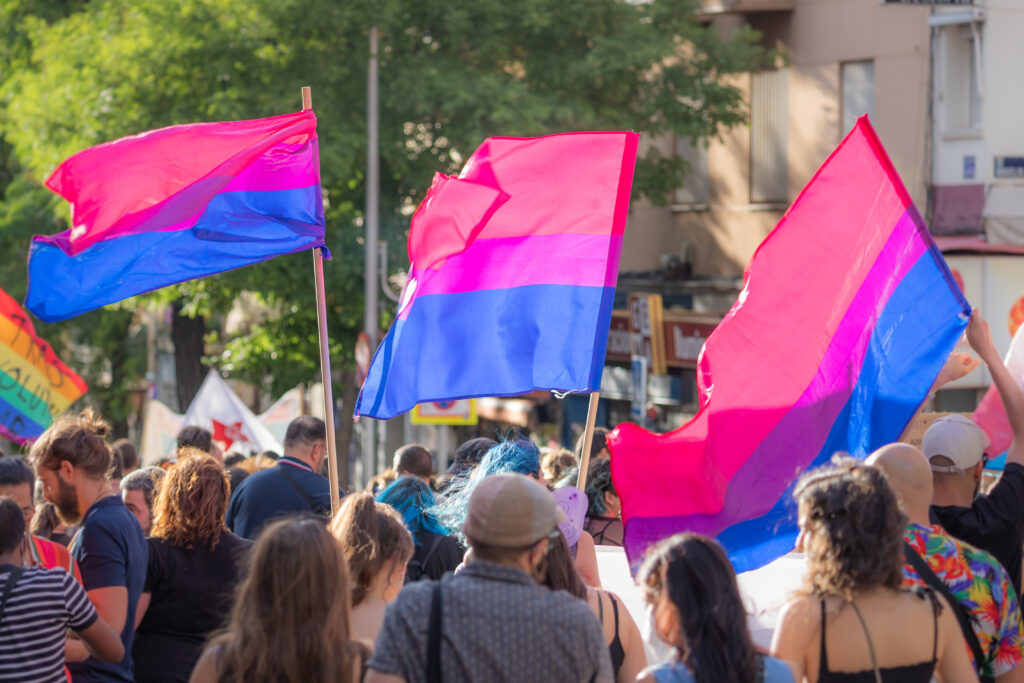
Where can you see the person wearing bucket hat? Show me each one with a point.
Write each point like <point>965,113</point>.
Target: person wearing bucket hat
<point>449,629</point>
<point>955,448</point>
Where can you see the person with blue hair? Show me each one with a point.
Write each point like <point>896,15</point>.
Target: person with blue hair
<point>518,456</point>
<point>435,552</point>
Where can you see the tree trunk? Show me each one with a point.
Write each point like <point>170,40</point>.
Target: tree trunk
<point>118,403</point>
<point>189,347</point>
<point>343,436</point>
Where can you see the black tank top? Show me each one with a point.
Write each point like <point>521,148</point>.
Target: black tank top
<point>910,673</point>
<point>615,648</point>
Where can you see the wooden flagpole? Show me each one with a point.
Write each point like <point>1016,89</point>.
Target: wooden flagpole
<point>325,355</point>
<point>588,440</point>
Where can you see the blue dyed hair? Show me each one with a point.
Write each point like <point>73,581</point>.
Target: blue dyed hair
<point>411,498</point>
<point>520,456</point>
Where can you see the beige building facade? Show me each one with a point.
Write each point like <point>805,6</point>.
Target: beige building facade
<point>939,80</point>
<point>841,58</point>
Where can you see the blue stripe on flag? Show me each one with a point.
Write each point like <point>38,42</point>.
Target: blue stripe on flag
<point>495,342</point>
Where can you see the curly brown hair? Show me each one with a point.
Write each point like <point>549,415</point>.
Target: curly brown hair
<point>189,510</point>
<point>853,529</point>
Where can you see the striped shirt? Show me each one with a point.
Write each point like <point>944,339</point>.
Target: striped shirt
<point>42,605</point>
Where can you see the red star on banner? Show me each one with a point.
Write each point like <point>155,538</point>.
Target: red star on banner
<point>228,434</point>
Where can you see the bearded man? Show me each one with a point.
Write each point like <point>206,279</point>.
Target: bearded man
<point>74,462</point>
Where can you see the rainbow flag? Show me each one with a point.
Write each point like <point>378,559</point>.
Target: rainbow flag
<point>512,274</point>
<point>847,314</point>
<point>35,386</point>
<point>175,204</point>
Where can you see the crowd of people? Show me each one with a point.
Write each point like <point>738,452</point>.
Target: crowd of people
<point>488,571</point>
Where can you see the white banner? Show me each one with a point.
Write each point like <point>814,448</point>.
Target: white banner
<point>159,432</point>
<point>233,425</point>
<point>216,401</point>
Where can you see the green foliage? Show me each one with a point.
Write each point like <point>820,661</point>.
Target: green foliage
<point>451,74</point>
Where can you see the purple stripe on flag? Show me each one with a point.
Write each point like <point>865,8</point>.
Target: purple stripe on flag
<point>283,167</point>
<point>567,259</point>
<point>802,431</point>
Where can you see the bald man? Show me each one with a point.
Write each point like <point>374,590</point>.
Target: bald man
<point>974,577</point>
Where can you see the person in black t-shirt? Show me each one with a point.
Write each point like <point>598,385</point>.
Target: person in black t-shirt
<point>194,566</point>
<point>955,447</point>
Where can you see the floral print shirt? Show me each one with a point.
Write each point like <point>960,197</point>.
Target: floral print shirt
<point>981,585</point>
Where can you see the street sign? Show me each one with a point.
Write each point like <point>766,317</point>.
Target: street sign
<point>457,412</point>
<point>638,404</point>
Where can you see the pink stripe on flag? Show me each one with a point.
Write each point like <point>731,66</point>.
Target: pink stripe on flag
<point>781,440</point>
<point>991,413</point>
<point>561,183</point>
<point>815,273</point>
<point>165,175</point>
<point>286,166</point>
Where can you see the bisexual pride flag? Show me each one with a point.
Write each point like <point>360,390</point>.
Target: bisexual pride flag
<point>175,204</point>
<point>35,386</point>
<point>512,274</point>
<point>847,314</point>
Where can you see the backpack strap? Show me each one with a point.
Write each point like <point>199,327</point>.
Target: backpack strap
<point>937,584</point>
<point>12,579</point>
<point>314,507</point>
<point>434,636</point>
<point>433,547</point>
<point>420,566</point>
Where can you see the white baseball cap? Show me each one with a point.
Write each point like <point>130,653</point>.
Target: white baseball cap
<point>957,438</point>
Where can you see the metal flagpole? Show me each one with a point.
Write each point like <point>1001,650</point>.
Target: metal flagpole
<point>325,355</point>
<point>588,440</point>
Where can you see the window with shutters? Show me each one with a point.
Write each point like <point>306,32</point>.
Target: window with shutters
<point>769,136</point>
<point>858,97</point>
<point>693,193</point>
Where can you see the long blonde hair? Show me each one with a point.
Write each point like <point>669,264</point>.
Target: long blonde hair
<point>290,620</point>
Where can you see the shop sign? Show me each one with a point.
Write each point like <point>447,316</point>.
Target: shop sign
<point>647,332</point>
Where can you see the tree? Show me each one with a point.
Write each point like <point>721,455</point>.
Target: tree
<point>452,73</point>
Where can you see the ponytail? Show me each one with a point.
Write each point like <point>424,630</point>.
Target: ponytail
<point>372,537</point>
